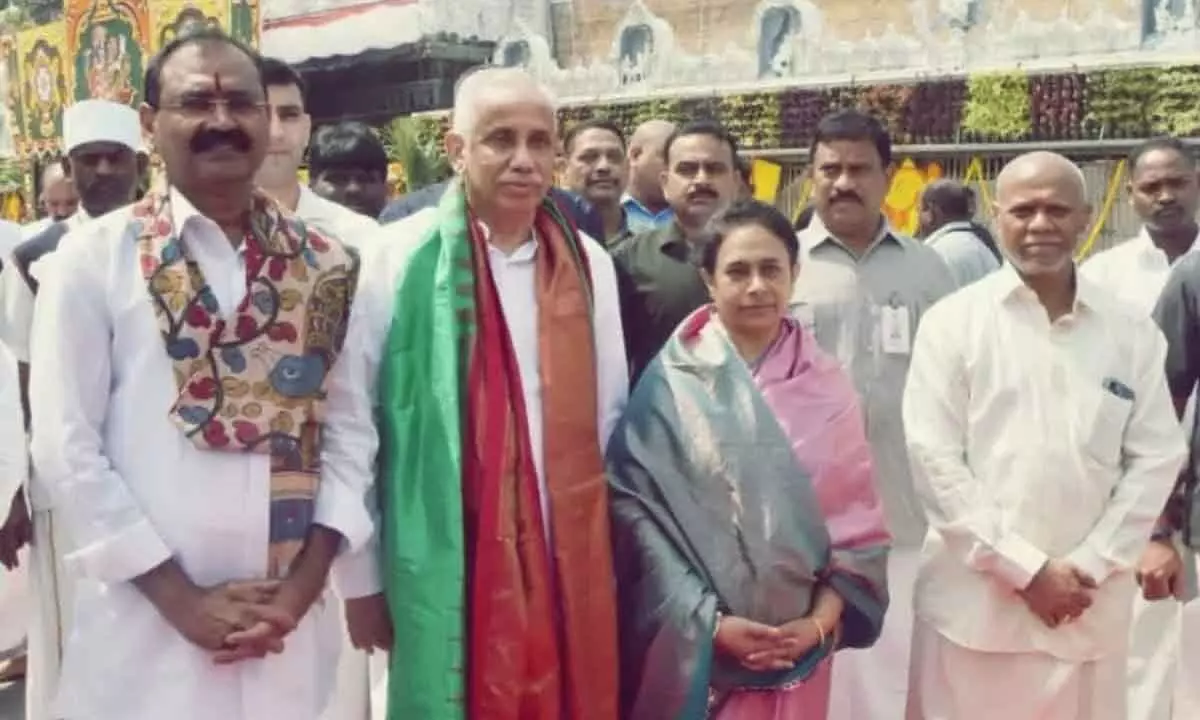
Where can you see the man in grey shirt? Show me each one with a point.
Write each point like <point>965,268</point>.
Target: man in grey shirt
<point>947,209</point>
<point>863,288</point>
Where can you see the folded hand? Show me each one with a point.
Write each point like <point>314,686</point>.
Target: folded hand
<point>1059,593</point>
<point>1160,572</point>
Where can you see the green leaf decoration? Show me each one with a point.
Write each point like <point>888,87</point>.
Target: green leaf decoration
<point>997,106</point>
<point>1175,109</point>
<point>754,119</point>
<point>1119,102</point>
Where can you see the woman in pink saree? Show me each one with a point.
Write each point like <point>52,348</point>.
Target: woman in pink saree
<point>749,540</point>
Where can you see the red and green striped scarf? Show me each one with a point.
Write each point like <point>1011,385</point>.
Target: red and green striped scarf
<point>492,620</point>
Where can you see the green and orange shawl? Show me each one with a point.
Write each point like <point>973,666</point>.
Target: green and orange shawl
<point>493,620</point>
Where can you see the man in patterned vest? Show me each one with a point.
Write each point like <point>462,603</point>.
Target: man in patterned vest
<point>202,422</point>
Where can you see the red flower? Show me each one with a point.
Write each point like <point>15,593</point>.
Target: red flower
<point>317,243</point>
<point>282,332</point>
<point>197,316</point>
<point>254,262</point>
<point>202,388</point>
<point>214,434</point>
<point>246,327</point>
<point>162,227</point>
<point>277,268</point>
<point>149,265</point>
<point>245,431</point>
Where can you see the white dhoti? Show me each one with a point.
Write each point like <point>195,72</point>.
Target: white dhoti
<point>950,682</point>
<point>1153,669</point>
<point>352,694</point>
<point>361,690</point>
<point>52,590</point>
<point>15,608</point>
<point>1186,703</point>
<point>871,684</point>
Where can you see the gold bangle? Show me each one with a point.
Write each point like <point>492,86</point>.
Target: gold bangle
<point>820,631</point>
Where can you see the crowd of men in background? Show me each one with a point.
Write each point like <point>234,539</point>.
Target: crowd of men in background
<point>1027,586</point>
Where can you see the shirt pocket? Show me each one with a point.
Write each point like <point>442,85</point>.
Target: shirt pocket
<point>1104,429</point>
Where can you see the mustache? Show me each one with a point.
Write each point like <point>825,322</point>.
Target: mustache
<point>845,195</point>
<point>206,140</point>
<point>702,191</point>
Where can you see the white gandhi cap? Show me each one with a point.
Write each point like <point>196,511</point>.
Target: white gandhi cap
<point>89,121</point>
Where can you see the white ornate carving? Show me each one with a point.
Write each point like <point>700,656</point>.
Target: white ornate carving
<point>790,53</point>
<point>643,47</point>
<point>525,48</point>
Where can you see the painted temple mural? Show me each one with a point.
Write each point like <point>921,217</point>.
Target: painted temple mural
<point>43,77</point>
<point>98,50</point>
<point>106,41</point>
<point>630,47</point>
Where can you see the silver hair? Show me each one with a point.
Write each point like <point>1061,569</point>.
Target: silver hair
<point>483,80</point>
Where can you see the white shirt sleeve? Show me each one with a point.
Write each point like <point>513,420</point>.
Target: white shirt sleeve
<point>935,423</point>
<point>357,572</point>
<point>346,501</point>
<point>69,383</point>
<point>1153,451</point>
<point>14,454</point>
<point>612,370</point>
<point>17,302</point>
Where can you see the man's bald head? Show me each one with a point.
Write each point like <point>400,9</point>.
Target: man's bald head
<point>647,163</point>
<point>652,133</point>
<point>1041,213</point>
<point>487,87</point>
<point>57,198</point>
<point>1042,168</point>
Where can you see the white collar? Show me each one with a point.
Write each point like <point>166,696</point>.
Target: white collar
<point>79,217</point>
<point>183,211</point>
<point>1145,245</point>
<point>524,251</point>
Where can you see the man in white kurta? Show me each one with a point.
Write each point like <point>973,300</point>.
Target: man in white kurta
<point>279,177</point>
<point>15,605</point>
<point>102,139</point>
<point>1164,192</point>
<point>505,192</point>
<point>1044,445</point>
<point>175,543</point>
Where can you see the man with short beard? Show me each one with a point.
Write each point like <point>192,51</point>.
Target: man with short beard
<point>595,167</point>
<point>660,282</point>
<point>1164,192</point>
<point>202,419</point>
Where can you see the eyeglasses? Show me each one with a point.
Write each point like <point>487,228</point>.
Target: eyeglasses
<point>203,106</point>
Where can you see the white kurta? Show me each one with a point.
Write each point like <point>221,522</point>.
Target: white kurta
<point>135,492</point>
<point>1066,449</point>
<point>514,277</point>
<point>1136,271</point>
<point>14,468</point>
<point>51,587</point>
<point>358,674</point>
